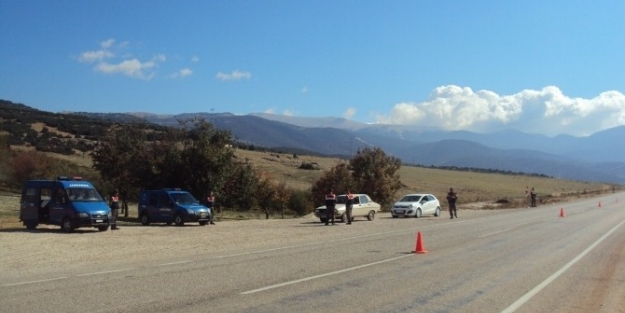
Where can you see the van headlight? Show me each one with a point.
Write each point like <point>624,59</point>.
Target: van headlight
<point>190,211</point>
<point>83,214</point>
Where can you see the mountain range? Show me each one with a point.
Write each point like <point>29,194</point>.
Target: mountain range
<point>599,157</point>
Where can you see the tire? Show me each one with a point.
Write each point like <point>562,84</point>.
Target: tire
<point>103,228</point>
<point>438,212</point>
<point>343,218</point>
<point>371,215</point>
<point>394,216</point>
<point>31,226</point>
<point>178,220</point>
<point>417,213</point>
<point>67,225</point>
<point>203,223</point>
<point>145,219</point>
<point>323,220</point>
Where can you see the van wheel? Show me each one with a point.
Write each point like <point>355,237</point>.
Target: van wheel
<point>371,215</point>
<point>178,220</point>
<point>323,220</point>
<point>203,223</point>
<point>31,226</point>
<point>103,228</point>
<point>67,225</point>
<point>145,220</point>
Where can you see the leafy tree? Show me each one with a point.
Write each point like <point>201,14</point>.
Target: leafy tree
<point>338,178</point>
<point>375,174</point>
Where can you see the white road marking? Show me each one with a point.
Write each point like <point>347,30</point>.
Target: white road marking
<point>495,233</point>
<point>526,297</point>
<point>105,272</point>
<point>33,282</point>
<point>324,275</point>
<point>174,263</point>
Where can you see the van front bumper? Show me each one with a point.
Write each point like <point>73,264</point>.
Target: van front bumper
<point>91,220</point>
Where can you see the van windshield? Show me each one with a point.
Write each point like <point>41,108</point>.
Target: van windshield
<point>183,198</point>
<point>83,195</point>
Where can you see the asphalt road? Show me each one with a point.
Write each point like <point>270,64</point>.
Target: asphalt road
<point>515,260</point>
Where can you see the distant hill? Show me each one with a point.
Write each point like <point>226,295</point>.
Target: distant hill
<point>595,158</point>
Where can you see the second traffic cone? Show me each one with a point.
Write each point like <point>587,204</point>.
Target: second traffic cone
<point>420,248</point>
<point>561,212</point>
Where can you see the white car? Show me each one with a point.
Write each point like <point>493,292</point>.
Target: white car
<point>363,207</point>
<point>415,205</point>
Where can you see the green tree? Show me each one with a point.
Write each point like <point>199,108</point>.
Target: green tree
<point>375,174</point>
<point>338,178</point>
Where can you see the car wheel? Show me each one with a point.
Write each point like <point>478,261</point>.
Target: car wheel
<point>438,212</point>
<point>103,228</point>
<point>417,213</point>
<point>323,220</point>
<point>178,220</point>
<point>371,215</point>
<point>343,218</point>
<point>67,225</point>
<point>145,220</point>
<point>203,223</point>
<point>394,216</point>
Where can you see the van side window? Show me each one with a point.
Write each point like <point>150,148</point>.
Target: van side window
<point>153,200</point>
<point>164,200</point>
<point>46,195</point>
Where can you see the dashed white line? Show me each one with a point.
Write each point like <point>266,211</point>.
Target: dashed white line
<point>174,263</point>
<point>33,282</point>
<point>105,272</point>
<point>324,275</point>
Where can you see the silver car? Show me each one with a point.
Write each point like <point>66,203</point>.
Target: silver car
<point>415,205</point>
<point>363,207</point>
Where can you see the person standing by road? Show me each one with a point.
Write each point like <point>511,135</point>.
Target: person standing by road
<point>210,203</point>
<point>533,197</point>
<point>349,205</point>
<point>330,205</point>
<point>451,200</point>
<point>114,204</point>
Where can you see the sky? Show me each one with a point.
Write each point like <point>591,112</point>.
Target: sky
<point>545,67</point>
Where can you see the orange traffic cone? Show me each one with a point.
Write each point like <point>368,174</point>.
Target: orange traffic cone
<point>561,212</point>
<point>420,248</point>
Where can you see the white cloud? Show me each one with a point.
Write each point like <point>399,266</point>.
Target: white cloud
<point>234,75</point>
<point>195,59</point>
<point>288,113</point>
<point>349,112</point>
<point>547,111</point>
<point>133,68</point>
<point>182,73</point>
<point>270,111</point>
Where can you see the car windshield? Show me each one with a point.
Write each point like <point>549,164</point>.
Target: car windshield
<point>83,195</point>
<point>183,198</point>
<point>411,198</point>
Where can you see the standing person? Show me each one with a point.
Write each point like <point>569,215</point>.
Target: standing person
<point>330,204</point>
<point>210,203</point>
<point>349,205</point>
<point>114,204</point>
<point>533,197</point>
<point>451,200</point>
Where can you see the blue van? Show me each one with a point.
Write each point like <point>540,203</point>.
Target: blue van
<point>67,202</point>
<point>171,206</point>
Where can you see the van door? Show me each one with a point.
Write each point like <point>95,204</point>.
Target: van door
<point>59,206</point>
<point>30,206</point>
<point>165,207</point>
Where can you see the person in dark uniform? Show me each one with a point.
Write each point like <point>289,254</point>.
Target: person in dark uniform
<point>349,205</point>
<point>533,197</point>
<point>210,203</point>
<point>451,200</point>
<point>330,204</point>
<point>114,204</point>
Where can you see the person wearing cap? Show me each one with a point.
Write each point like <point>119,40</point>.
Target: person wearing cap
<point>451,200</point>
<point>330,204</point>
<point>114,204</point>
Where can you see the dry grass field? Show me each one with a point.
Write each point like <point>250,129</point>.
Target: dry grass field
<point>475,190</point>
